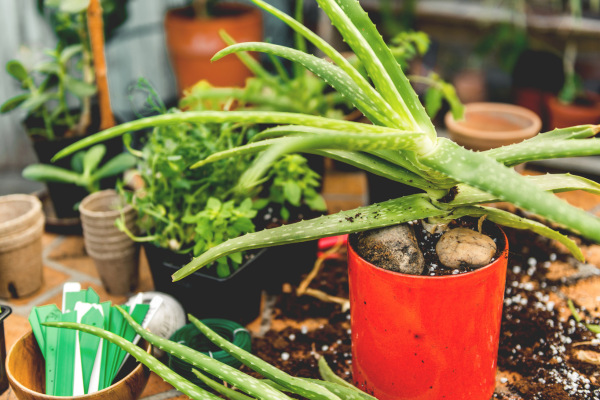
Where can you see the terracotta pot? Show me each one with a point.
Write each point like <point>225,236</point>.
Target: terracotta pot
<point>116,256</point>
<point>562,115</point>
<point>25,367</point>
<point>192,42</point>
<point>21,228</point>
<point>423,337</point>
<point>490,125</point>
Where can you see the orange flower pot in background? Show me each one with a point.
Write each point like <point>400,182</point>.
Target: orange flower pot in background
<point>562,115</point>
<point>192,42</point>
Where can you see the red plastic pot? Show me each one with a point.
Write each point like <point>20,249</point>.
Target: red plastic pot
<point>422,337</point>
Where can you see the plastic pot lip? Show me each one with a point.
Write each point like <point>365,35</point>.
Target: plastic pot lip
<point>393,274</point>
<point>510,109</point>
<point>36,207</point>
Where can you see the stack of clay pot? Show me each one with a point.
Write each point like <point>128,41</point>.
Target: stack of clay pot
<point>116,256</point>
<point>21,228</point>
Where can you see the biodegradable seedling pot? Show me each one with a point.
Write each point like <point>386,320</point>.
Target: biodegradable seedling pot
<point>423,337</point>
<point>116,256</point>
<point>4,313</point>
<point>21,228</point>
<point>561,115</point>
<point>25,367</point>
<point>192,42</point>
<point>490,125</point>
<point>236,298</point>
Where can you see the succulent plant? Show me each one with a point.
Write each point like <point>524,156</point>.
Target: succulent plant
<point>401,145</point>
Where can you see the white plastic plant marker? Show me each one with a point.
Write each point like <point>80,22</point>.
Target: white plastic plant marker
<point>68,288</point>
<point>95,378</point>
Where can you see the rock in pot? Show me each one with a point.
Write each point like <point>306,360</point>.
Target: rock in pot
<point>463,246</point>
<point>394,248</point>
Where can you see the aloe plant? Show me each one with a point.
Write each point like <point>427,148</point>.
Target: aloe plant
<point>256,388</point>
<point>401,145</point>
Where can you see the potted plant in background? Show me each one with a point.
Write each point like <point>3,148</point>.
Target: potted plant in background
<point>192,35</point>
<point>75,69</point>
<point>403,146</point>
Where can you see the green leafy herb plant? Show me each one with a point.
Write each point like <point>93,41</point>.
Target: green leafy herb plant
<point>401,145</point>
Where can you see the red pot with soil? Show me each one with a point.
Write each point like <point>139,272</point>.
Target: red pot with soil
<point>193,41</point>
<point>581,112</point>
<point>426,337</point>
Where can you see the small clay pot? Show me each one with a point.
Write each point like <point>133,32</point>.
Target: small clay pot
<point>562,115</point>
<point>490,125</point>
<point>116,256</point>
<point>21,228</point>
<point>192,42</point>
<point>26,372</point>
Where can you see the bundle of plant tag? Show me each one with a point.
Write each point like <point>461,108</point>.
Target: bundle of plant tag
<point>78,363</point>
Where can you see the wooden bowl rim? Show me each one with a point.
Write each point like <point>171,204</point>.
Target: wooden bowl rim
<point>12,379</point>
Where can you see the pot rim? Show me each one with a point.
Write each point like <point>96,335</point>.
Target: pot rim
<point>44,396</point>
<point>36,208</point>
<point>85,213</point>
<point>504,254</point>
<point>517,134</point>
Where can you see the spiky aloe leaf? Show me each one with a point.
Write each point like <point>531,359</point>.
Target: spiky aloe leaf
<point>334,76</point>
<point>328,375</point>
<point>248,384</point>
<point>544,150</point>
<point>140,355</point>
<point>388,213</point>
<point>343,392</point>
<point>252,117</point>
<point>284,130</point>
<point>555,183</point>
<point>217,387</point>
<point>296,385</point>
<point>250,62</point>
<point>574,132</point>
<point>484,173</point>
<point>513,221</point>
<point>367,29</point>
<point>338,59</point>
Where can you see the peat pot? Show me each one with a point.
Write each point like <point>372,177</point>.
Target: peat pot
<point>21,229</point>
<point>425,337</point>
<point>4,312</point>
<point>490,125</point>
<point>204,295</point>
<point>116,256</point>
<point>192,42</point>
<point>26,372</point>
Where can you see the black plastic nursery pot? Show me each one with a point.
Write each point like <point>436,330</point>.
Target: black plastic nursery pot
<point>3,378</point>
<point>236,298</point>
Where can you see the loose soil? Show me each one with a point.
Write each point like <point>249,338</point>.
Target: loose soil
<point>537,334</point>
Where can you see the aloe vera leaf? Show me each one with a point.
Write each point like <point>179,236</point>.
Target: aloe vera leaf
<point>367,29</point>
<point>284,130</point>
<point>344,392</point>
<point>338,59</point>
<point>181,384</point>
<point>370,61</point>
<point>379,215</point>
<point>248,384</point>
<point>299,40</point>
<point>249,61</point>
<point>574,132</point>
<point>513,221</point>
<point>328,375</point>
<point>221,389</point>
<point>333,75</point>
<point>484,173</point>
<point>555,183</point>
<point>51,173</point>
<point>296,385</point>
<point>544,150</point>
<point>255,117</point>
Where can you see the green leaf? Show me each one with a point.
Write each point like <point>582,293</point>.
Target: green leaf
<point>330,73</point>
<point>285,214</point>
<point>213,204</point>
<point>36,100</point>
<point>70,51</point>
<point>484,173</point>
<point>48,67</point>
<point>244,224</point>
<point>92,159</point>
<point>316,203</point>
<point>433,101</point>
<point>115,166</point>
<point>236,257</point>
<point>250,62</point>
<point>79,88</point>
<point>574,132</point>
<point>223,270</point>
<point>388,213</point>
<point>74,6</point>
<point>50,173</point>
<point>217,387</point>
<point>256,117</point>
<point>77,162</point>
<point>573,311</point>
<point>328,375</point>
<point>259,204</point>
<point>292,193</point>
<point>17,70</point>
<point>13,102</point>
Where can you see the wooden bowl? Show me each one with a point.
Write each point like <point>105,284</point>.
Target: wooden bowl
<point>25,368</point>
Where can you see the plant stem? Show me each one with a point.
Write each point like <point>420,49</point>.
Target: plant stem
<point>48,124</point>
<point>96,29</point>
<point>200,8</point>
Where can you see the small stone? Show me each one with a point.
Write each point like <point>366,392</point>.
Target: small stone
<point>462,246</point>
<point>285,356</point>
<point>393,248</point>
